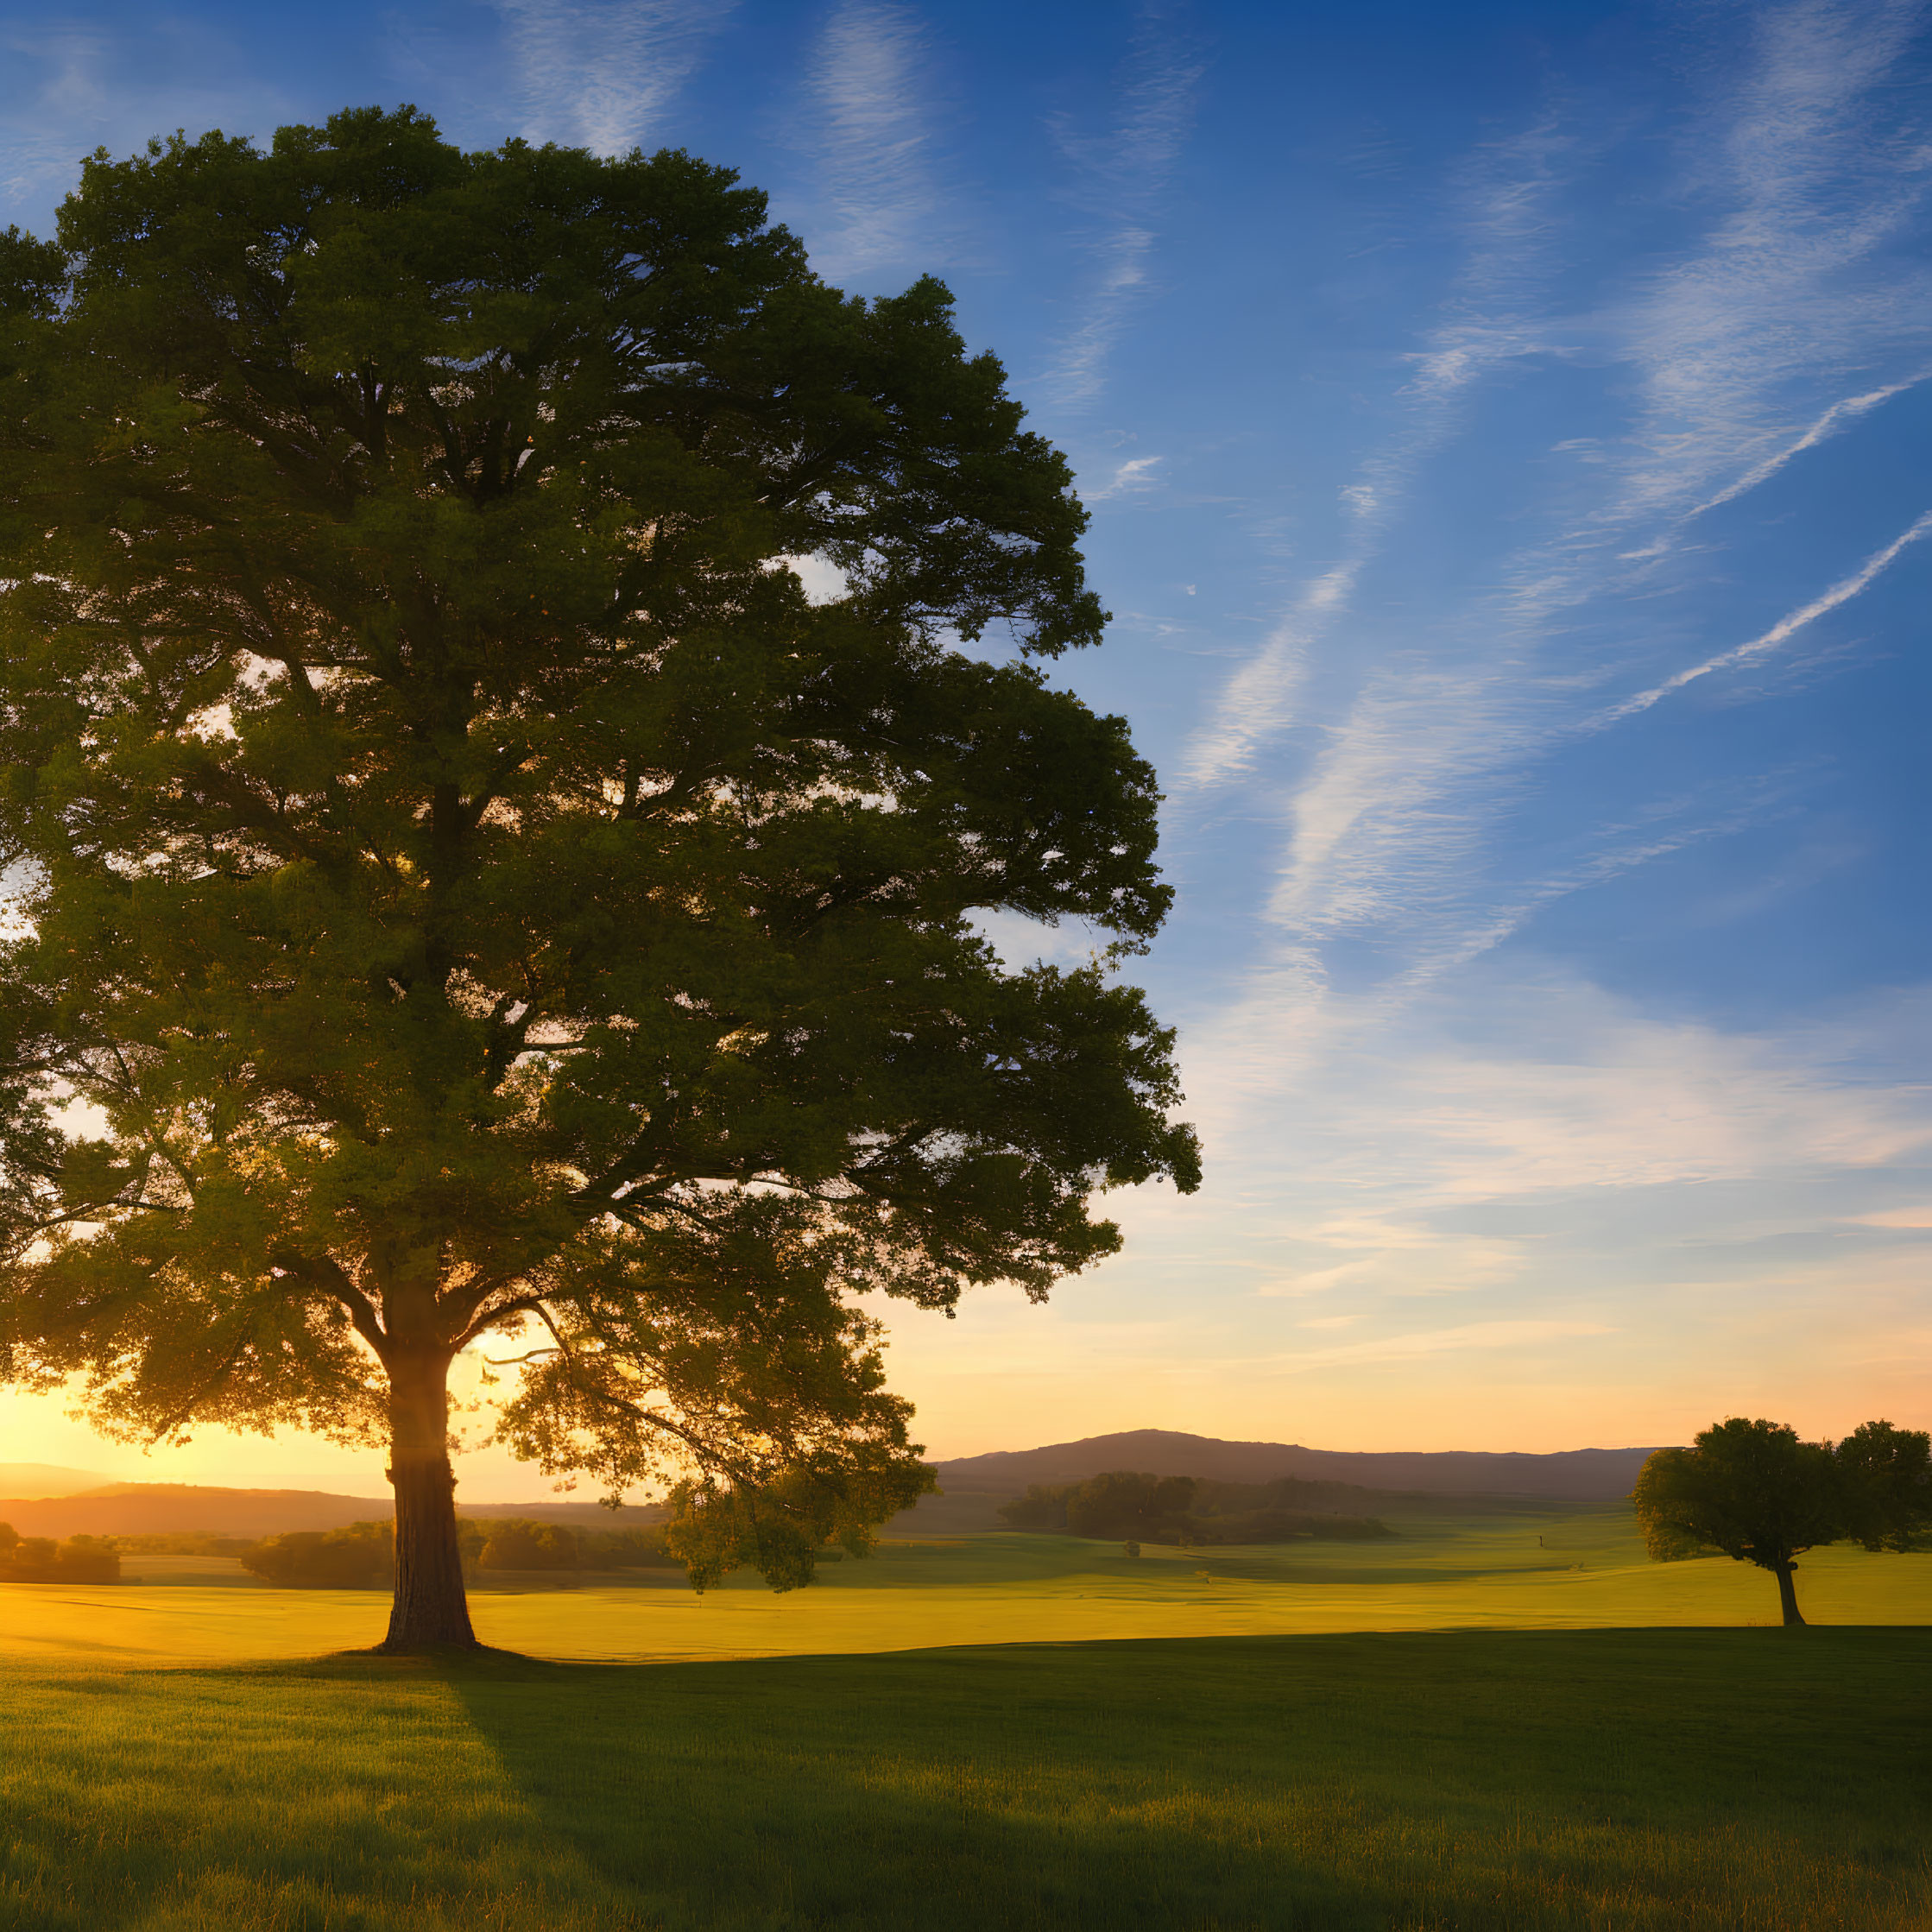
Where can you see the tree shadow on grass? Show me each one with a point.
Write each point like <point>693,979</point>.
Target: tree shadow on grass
<point>882,1791</point>
<point>1343,1784</point>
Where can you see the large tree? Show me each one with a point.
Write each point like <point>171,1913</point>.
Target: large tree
<point>462,885</point>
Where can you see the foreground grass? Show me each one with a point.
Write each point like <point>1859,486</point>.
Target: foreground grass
<point>1659,1779</point>
<point>1508,1752</point>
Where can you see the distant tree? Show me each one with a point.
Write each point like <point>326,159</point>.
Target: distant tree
<point>1278,1525</point>
<point>1042,1507</point>
<point>1121,1503</point>
<point>1748,1488</point>
<point>358,1557</point>
<point>1888,1486</point>
<point>470,1540</point>
<point>624,1549</point>
<point>182,1543</point>
<point>514,1544</point>
<point>1181,1509</point>
<point>42,1560</point>
<point>89,1560</point>
<point>1752,1490</point>
<point>472,889</point>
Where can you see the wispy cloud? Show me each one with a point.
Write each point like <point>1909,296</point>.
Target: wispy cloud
<point>1137,473</point>
<point>1398,1107</point>
<point>1820,173</point>
<point>1547,1132</point>
<point>1123,176</point>
<point>600,74</point>
<point>872,145</point>
<point>1426,733</point>
<point>1532,1194</point>
<point>45,134</point>
<point>1508,205</point>
<point>1436,1342</point>
<point>69,85</point>
<point>1916,1219</point>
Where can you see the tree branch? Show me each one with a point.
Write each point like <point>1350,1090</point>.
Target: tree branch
<point>334,1280</point>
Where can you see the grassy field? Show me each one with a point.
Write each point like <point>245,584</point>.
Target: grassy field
<point>1473,1754</point>
<point>1582,1569</point>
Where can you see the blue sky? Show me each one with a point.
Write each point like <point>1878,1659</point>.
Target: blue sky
<point>1503,426</point>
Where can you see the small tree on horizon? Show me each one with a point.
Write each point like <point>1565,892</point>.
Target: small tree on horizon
<point>1888,1486</point>
<point>472,891</point>
<point>1753,1491</point>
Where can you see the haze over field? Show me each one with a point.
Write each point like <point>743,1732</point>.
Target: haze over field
<point>40,1501</point>
<point>1504,431</point>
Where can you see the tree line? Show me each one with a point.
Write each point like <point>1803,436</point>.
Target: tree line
<point>1190,1511</point>
<point>45,1560</point>
<point>356,1555</point>
<point>362,1556</point>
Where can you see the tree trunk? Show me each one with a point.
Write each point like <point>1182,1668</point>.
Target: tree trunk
<point>1787,1594</point>
<point>431,1610</point>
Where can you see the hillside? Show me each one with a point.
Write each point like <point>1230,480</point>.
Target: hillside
<point>1569,1475</point>
<point>973,1485</point>
<point>47,1478</point>
<point>147,1508</point>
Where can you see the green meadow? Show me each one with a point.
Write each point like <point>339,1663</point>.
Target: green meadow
<point>1499,1721</point>
<point>1584,1570</point>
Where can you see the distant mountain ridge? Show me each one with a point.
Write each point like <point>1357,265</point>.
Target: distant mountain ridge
<point>151,1508</point>
<point>47,1478</point>
<point>1567,1475</point>
<point>147,1508</point>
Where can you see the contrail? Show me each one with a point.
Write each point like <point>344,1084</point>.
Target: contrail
<point>1842,593</point>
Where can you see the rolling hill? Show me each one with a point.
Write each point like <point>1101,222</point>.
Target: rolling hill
<point>1569,1475</point>
<point>149,1508</point>
<point>48,1505</point>
<point>47,1478</point>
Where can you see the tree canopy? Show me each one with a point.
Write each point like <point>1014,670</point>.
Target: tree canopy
<point>1753,1491</point>
<point>464,889</point>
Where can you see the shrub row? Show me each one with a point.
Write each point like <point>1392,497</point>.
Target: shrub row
<point>41,1560</point>
<point>181,1543</point>
<point>361,1555</point>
